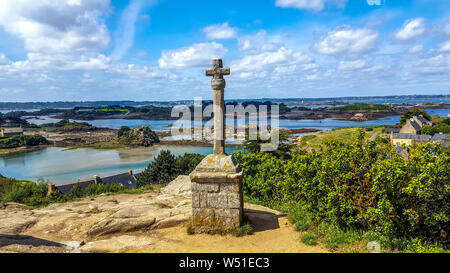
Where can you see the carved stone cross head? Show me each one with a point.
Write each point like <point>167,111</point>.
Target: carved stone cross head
<point>218,71</point>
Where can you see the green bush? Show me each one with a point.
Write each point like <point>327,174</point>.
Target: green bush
<point>435,129</point>
<point>309,239</point>
<point>167,167</point>
<point>97,189</point>
<point>335,237</point>
<point>123,131</point>
<point>76,191</point>
<point>360,186</point>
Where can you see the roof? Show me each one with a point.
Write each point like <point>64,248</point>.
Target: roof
<point>421,120</point>
<point>393,130</point>
<point>439,137</point>
<point>415,125</point>
<point>411,136</point>
<point>125,179</point>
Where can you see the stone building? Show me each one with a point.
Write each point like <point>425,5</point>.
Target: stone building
<point>414,125</point>
<point>409,139</point>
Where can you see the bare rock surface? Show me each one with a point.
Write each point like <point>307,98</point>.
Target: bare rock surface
<point>180,186</point>
<point>150,222</point>
<point>141,214</point>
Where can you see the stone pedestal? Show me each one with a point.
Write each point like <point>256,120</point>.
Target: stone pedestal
<point>217,198</point>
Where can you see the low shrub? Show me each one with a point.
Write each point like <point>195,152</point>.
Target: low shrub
<point>357,187</point>
<point>246,229</point>
<point>309,239</point>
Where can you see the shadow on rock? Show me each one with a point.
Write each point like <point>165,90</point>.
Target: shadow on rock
<point>262,220</point>
<point>13,239</point>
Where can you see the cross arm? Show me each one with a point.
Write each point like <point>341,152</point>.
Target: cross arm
<point>218,71</point>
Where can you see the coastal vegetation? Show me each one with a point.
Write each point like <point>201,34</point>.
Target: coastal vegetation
<point>440,125</point>
<point>350,192</point>
<point>22,140</point>
<point>140,136</point>
<point>34,194</point>
<point>66,125</point>
<point>166,167</point>
<point>361,106</point>
<point>346,135</point>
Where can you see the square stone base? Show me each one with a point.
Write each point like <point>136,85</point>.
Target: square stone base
<point>217,197</point>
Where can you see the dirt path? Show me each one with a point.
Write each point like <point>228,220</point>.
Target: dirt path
<point>273,234</point>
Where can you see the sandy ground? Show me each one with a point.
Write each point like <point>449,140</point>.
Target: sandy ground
<point>278,240</point>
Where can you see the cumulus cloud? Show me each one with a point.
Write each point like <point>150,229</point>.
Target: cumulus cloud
<point>220,31</point>
<point>259,42</point>
<point>416,49</point>
<point>281,62</point>
<point>352,65</point>
<point>3,59</point>
<point>192,56</point>
<point>411,29</point>
<point>314,5</point>
<point>124,36</point>
<point>373,68</point>
<point>445,47</point>
<point>56,26</point>
<point>439,64</point>
<point>347,41</point>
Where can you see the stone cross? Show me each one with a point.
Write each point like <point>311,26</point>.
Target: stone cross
<point>216,183</point>
<point>218,86</point>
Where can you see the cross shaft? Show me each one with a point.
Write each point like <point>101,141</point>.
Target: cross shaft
<point>218,86</point>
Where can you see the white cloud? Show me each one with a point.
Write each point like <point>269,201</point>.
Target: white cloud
<point>124,36</point>
<point>374,68</point>
<point>411,29</point>
<point>56,26</point>
<point>447,29</point>
<point>352,65</point>
<point>312,77</point>
<point>416,49</point>
<point>259,42</point>
<point>3,59</point>
<point>220,31</point>
<point>445,47</point>
<point>192,56</point>
<point>315,5</point>
<point>347,41</point>
<point>280,63</point>
<point>439,64</point>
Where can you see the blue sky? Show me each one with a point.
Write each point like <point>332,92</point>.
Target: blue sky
<point>159,49</point>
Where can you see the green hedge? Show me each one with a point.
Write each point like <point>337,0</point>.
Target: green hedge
<point>358,186</point>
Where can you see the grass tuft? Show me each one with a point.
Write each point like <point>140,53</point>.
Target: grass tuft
<point>246,229</point>
<point>309,239</point>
